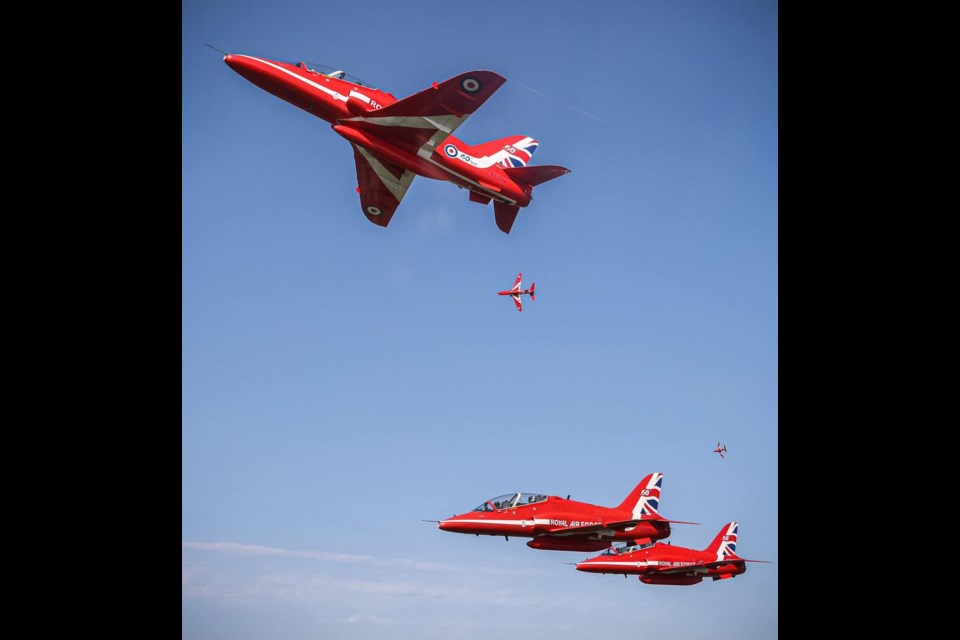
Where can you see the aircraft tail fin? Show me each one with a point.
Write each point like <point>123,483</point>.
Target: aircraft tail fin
<point>512,151</point>
<point>644,500</point>
<point>725,544</point>
<point>505,214</point>
<point>536,175</point>
<point>532,287</point>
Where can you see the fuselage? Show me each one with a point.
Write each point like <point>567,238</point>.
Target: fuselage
<point>664,564</point>
<point>525,292</point>
<point>344,105</point>
<point>552,522</point>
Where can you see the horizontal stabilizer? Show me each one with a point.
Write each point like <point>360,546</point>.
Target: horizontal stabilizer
<point>537,174</point>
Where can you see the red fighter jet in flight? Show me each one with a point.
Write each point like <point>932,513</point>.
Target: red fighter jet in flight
<point>560,524</point>
<point>516,292</point>
<point>658,563</point>
<point>721,450</point>
<point>396,140</point>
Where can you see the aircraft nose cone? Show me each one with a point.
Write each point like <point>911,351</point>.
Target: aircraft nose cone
<point>257,71</point>
<point>244,65</point>
<point>232,61</point>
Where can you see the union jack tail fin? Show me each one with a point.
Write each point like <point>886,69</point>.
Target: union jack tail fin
<point>532,297</point>
<point>644,500</point>
<point>725,544</point>
<point>512,151</point>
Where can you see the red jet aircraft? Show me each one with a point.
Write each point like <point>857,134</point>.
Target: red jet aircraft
<point>560,524</point>
<point>516,292</point>
<point>658,563</point>
<point>720,450</point>
<point>396,140</point>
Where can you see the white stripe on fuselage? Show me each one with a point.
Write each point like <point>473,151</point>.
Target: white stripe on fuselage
<point>516,523</point>
<point>496,195</point>
<point>616,564</point>
<point>398,187</point>
<point>444,126</point>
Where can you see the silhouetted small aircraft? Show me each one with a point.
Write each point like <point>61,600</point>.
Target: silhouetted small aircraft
<point>516,292</point>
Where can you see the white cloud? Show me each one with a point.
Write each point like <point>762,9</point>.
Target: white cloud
<point>257,550</point>
<point>419,565</point>
<point>434,221</point>
<point>362,619</point>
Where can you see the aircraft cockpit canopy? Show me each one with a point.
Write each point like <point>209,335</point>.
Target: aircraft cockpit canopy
<point>331,73</point>
<point>509,500</point>
<point>629,548</point>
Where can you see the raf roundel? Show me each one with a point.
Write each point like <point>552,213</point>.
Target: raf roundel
<point>470,85</point>
<point>374,211</point>
<point>450,150</point>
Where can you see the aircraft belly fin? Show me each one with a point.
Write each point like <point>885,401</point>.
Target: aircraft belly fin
<point>505,215</point>
<point>479,197</point>
<point>381,185</point>
<point>583,530</point>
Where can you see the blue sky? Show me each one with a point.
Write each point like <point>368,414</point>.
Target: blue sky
<point>342,382</point>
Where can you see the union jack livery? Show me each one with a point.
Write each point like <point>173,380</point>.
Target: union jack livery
<point>396,140</point>
<point>659,563</point>
<point>561,524</point>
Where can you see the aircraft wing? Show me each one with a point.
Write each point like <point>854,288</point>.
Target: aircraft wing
<point>579,531</point>
<point>516,284</point>
<point>381,185</point>
<point>622,525</point>
<point>516,301</point>
<point>419,123</point>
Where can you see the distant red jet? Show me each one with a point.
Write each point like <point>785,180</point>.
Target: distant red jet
<point>658,563</point>
<point>397,140</point>
<point>561,524</point>
<point>516,292</point>
<point>720,450</point>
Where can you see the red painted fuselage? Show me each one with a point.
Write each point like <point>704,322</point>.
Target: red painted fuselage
<point>659,563</point>
<point>562,524</point>
<point>553,523</point>
<point>413,134</point>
